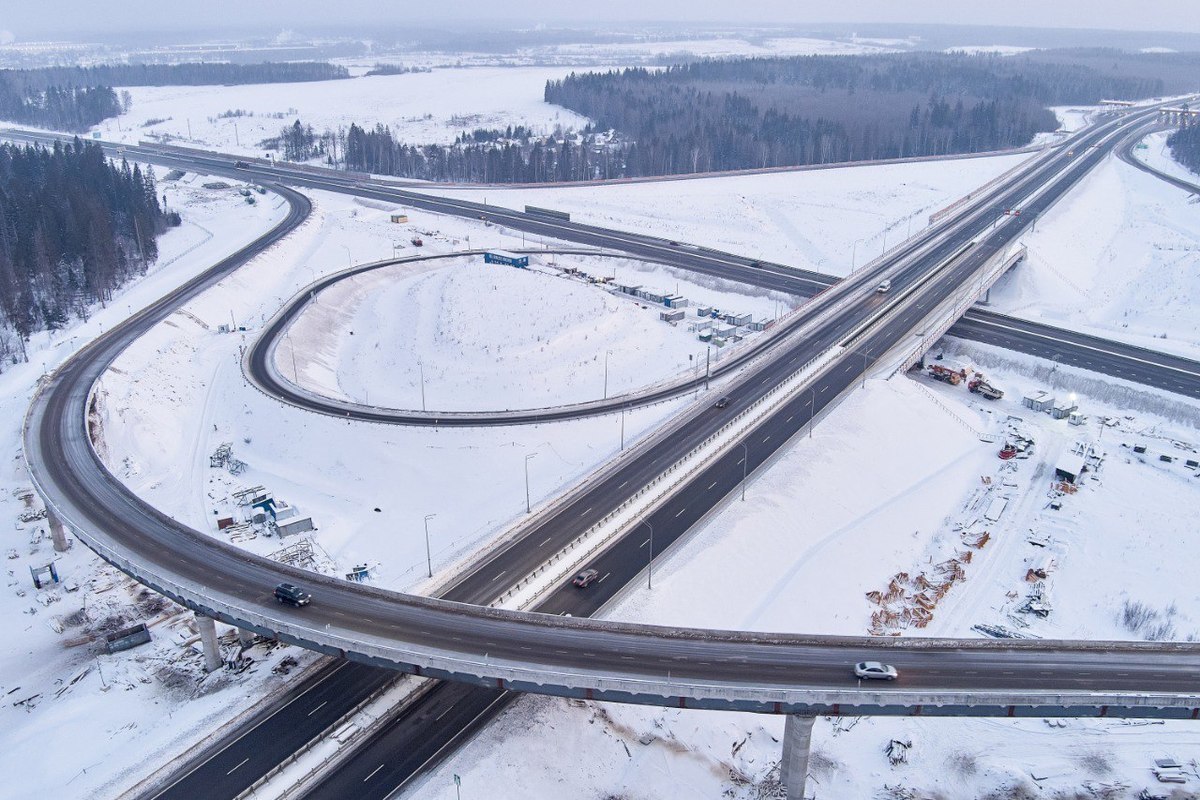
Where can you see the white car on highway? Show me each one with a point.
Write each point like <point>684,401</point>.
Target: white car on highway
<point>873,670</point>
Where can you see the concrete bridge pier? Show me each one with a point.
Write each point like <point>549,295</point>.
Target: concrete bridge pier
<point>797,737</point>
<point>57,534</point>
<point>208,641</point>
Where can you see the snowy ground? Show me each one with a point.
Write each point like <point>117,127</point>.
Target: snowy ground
<point>420,108</point>
<point>1158,155</point>
<point>896,480</point>
<point>1117,257</point>
<point>825,220</point>
<point>129,708</point>
<point>373,338</point>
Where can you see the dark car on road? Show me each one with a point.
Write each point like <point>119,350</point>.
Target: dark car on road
<point>586,578</point>
<point>724,401</point>
<point>292,594</point>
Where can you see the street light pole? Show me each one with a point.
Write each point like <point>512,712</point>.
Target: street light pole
<point>528,456</point>
<point>421,367</point>
<point>607,353</point>
<point>623,427</point>
<point>650,563</point>
<point>745,466</point>
<point>428,554</point>
<point>812,412</point>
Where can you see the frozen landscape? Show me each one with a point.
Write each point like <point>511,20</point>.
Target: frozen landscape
<point>912,507</point>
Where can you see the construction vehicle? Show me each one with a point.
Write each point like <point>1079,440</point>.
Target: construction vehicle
<point>947,373</point>
<point>416,241</point>
<point>980,386</point>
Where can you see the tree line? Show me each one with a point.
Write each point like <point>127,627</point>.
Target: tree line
<point>73,228</point>
<point>718,115</point>
<point>189,74</point>
<point>66,108</point>
<point>769,112</point>
<point>77,98</point>
<point>1185,147</point>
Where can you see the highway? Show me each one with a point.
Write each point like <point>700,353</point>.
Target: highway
<point>709,669</point>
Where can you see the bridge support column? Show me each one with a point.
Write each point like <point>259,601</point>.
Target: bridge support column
<point>245,637</point>
<point>208,641</point>
<point>797,736</point>
<point>57,534</point>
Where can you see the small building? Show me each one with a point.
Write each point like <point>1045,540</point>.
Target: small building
<point>1063,409</point>
<point>706,335</point>
<point>399,219</point>
<point>628,288</point>
<point>672,316</point>
<point>734,318</point>
<point>1070,467</point>
<point>676,301</point>
<point>506,258</point>
<point>1038,401</point>
<point>294,525</point>
<point>1077,418</point>
<point>759,325</point>
<point>724,331</point>
<point>652,295</point>
<point>703,311</point>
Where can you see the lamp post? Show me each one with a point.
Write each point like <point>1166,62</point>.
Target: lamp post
<point>292,350</point>
<point>428,553</point>
<point>607,353</point>
<point>421,368</point>
<point>349,259</point>
<point>745,466</point>
<point>528,456</point>
<point>650,563</point>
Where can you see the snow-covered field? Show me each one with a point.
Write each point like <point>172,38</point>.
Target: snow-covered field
<point>897,480</point>
<point>486,337</point>
<point>74,718</point>
<point>420,108</point>
<point>1116,257</point>
<point>824,220</point>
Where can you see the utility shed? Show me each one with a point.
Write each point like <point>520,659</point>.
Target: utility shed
<point>1062,409</point>
<point>506,258</point>
<point>738,319</point>
<point>676,301</point>
<point>1070,467</point>
<point>288,527</point>
<point>1038,401</point>
<point>672,316</point>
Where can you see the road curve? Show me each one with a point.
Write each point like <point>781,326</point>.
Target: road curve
<point>584,657</point>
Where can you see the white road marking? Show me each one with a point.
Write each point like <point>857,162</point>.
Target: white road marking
<point>372,775</point>
<point>318,708</point>
<point>243,761</point>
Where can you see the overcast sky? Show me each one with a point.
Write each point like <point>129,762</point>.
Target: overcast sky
<point>26,19</point>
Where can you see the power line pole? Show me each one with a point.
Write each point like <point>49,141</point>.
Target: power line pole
<point>528,456</point>
<point>428,553</point>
